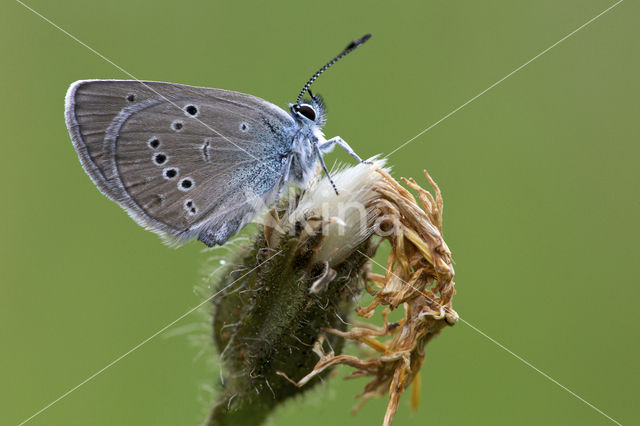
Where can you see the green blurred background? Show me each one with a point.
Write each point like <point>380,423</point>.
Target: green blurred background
<point>539,175</point>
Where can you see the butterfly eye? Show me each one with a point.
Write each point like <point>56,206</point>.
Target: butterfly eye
<point>308,112</point>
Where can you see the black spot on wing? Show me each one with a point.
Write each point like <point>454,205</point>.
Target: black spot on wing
<point>160,158</point>
<point>191,110</point>
<point>186,184</point>
<point>170,173</point>
<point>153,142</point>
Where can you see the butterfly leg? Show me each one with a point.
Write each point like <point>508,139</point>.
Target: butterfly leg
<point>328,146</point>
<point>324,166</point>
<point>283,182</point>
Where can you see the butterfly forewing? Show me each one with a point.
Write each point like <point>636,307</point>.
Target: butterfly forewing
<point>181,160</point>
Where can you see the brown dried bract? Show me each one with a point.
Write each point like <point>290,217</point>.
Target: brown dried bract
<point>419,276</point>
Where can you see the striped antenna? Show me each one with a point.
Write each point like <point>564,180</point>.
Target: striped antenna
<point>350,48</point>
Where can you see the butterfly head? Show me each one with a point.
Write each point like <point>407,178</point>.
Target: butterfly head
<point>310,112</point>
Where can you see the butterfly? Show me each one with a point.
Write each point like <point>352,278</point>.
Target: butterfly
<point>188,161</point>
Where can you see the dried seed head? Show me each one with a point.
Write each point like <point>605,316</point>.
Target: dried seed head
<point>272,325</point>
<point>343,219</point>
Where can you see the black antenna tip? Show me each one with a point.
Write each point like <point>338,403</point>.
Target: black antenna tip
<point>352,46</point>
<point>358,42</point>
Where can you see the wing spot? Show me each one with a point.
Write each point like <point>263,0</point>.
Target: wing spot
<point>153,142</point>
<point>190,207</point>
<point>160,158</point>
<point>177,125</point>
<point>205,149</point>
<point>244,127</point>
<point>191,110</point>
<point>186,184</point>
<point>170,173</point>
<point>131,97</point>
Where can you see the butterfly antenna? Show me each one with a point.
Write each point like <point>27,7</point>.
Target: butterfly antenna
<point>350,48</point>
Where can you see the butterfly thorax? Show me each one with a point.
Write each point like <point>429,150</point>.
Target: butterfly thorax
<point>309,116</point>
<point>303,158</point>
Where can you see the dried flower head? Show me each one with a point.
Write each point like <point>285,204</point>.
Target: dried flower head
<point>293,308</point>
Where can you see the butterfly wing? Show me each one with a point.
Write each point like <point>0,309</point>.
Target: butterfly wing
<point>181,160</point>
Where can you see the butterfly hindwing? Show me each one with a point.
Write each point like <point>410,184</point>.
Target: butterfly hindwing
<point>181,160</point>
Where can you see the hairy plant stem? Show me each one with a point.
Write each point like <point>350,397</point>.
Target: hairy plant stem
<point>269,321</point>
